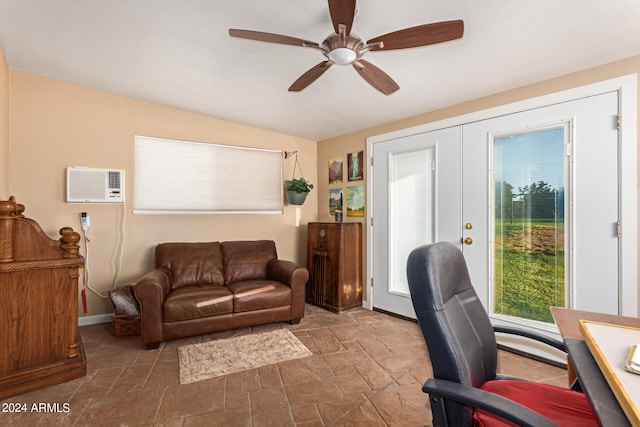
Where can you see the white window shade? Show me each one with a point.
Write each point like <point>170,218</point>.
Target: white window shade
<point>172,176</point>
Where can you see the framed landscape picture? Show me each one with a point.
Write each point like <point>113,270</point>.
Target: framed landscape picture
<point>355,200</point>
<point>335,169</point>
<point>335,200</point>
<point>355,163</point>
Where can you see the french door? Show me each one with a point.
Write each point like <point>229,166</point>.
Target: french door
<point>540,205</point>
<point>417,200</point>
<point>531,197</point>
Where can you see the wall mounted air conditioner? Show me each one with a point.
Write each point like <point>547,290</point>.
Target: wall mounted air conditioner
<point>92,185</point>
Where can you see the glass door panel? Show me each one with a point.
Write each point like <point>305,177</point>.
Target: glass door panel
<point>530,266</point>
<point>411,211</point>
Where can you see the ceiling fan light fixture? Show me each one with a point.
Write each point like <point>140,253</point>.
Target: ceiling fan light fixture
<point>342,56</point>
<point>345,48</point>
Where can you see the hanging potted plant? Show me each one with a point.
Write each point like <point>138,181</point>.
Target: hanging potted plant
<point>297,190</point>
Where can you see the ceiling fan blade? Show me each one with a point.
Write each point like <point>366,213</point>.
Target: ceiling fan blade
<point>270,37</point>
<point>342,12</point>
<point>376,77</point>
<point>310,76</point>
<point>421,35</point>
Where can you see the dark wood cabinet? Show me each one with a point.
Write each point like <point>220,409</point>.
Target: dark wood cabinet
<point>334,261</point>
<point>39,340</point>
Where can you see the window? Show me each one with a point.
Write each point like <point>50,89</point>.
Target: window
<point>529,223</point>
<point>172,176</point>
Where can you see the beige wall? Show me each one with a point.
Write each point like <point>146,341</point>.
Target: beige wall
<point>357,141</point>
<point>4,124</point>
<point>56,124</point>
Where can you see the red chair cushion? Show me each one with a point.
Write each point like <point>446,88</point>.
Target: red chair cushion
<point>563,406</point>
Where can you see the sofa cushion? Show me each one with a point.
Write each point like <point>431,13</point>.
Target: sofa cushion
<point>247,260</point>
<point>259,294</point>
<point>197,301</point>
<point>191,263</point>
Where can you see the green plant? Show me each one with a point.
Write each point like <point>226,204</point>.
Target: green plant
<point>299,185</point>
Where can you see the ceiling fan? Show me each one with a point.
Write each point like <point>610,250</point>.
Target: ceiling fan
<point>346,48</point>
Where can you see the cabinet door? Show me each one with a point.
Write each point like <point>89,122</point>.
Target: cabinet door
<point>38,318</point>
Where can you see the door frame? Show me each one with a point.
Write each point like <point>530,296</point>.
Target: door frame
<point>627,161</point>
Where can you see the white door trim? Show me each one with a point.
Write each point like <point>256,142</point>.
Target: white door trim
<point>628,179</point>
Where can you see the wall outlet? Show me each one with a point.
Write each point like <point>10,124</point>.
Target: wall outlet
<point>85,220</point>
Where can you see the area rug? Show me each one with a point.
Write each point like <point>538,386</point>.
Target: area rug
<point>225,356</point>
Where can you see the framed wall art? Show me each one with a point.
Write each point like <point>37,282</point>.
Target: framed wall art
<point>356,166</point>
<point>335,169</point>
<point>335,200</point>
<point>355,200</point>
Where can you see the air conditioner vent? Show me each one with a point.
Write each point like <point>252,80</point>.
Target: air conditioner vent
<point>114,179</point>
<point>92,185</point>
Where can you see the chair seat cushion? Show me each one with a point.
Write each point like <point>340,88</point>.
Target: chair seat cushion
<point>251,295</point>
<point>563,406</point>
<point>194,302</point>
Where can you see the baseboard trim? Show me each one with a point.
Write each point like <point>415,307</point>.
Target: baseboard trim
<point>399,316</point>
<point>94,320</point>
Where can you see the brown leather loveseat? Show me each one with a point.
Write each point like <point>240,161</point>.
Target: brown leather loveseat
<point>199,288</point>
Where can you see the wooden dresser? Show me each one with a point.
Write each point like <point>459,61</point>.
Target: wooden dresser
<point>39,341</point>
<point>334,261</point>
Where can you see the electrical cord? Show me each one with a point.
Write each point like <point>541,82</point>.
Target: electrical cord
<point>123,234</point>
<point>119,262</point>
<point>87,273</point>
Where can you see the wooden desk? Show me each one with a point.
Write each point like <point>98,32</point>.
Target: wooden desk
<point>582,364</point>
<point>595,386</point>
<point>567,320</point>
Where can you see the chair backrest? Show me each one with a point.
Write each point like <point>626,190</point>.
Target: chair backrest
<point>455,325</point>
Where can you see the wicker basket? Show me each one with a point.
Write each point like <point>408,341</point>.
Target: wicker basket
<point>126,324</point>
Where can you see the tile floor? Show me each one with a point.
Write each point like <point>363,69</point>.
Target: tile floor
<point>367,369</point>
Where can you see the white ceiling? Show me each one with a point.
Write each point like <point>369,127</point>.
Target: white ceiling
<point>178,53</point>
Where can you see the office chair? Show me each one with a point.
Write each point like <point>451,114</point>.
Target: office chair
<point>466,390</point>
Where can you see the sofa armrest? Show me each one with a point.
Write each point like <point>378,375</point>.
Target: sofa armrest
<point>294,276</point>
<point>151,291</point>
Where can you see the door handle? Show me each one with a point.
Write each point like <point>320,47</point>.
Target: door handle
<point>468,241</point>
